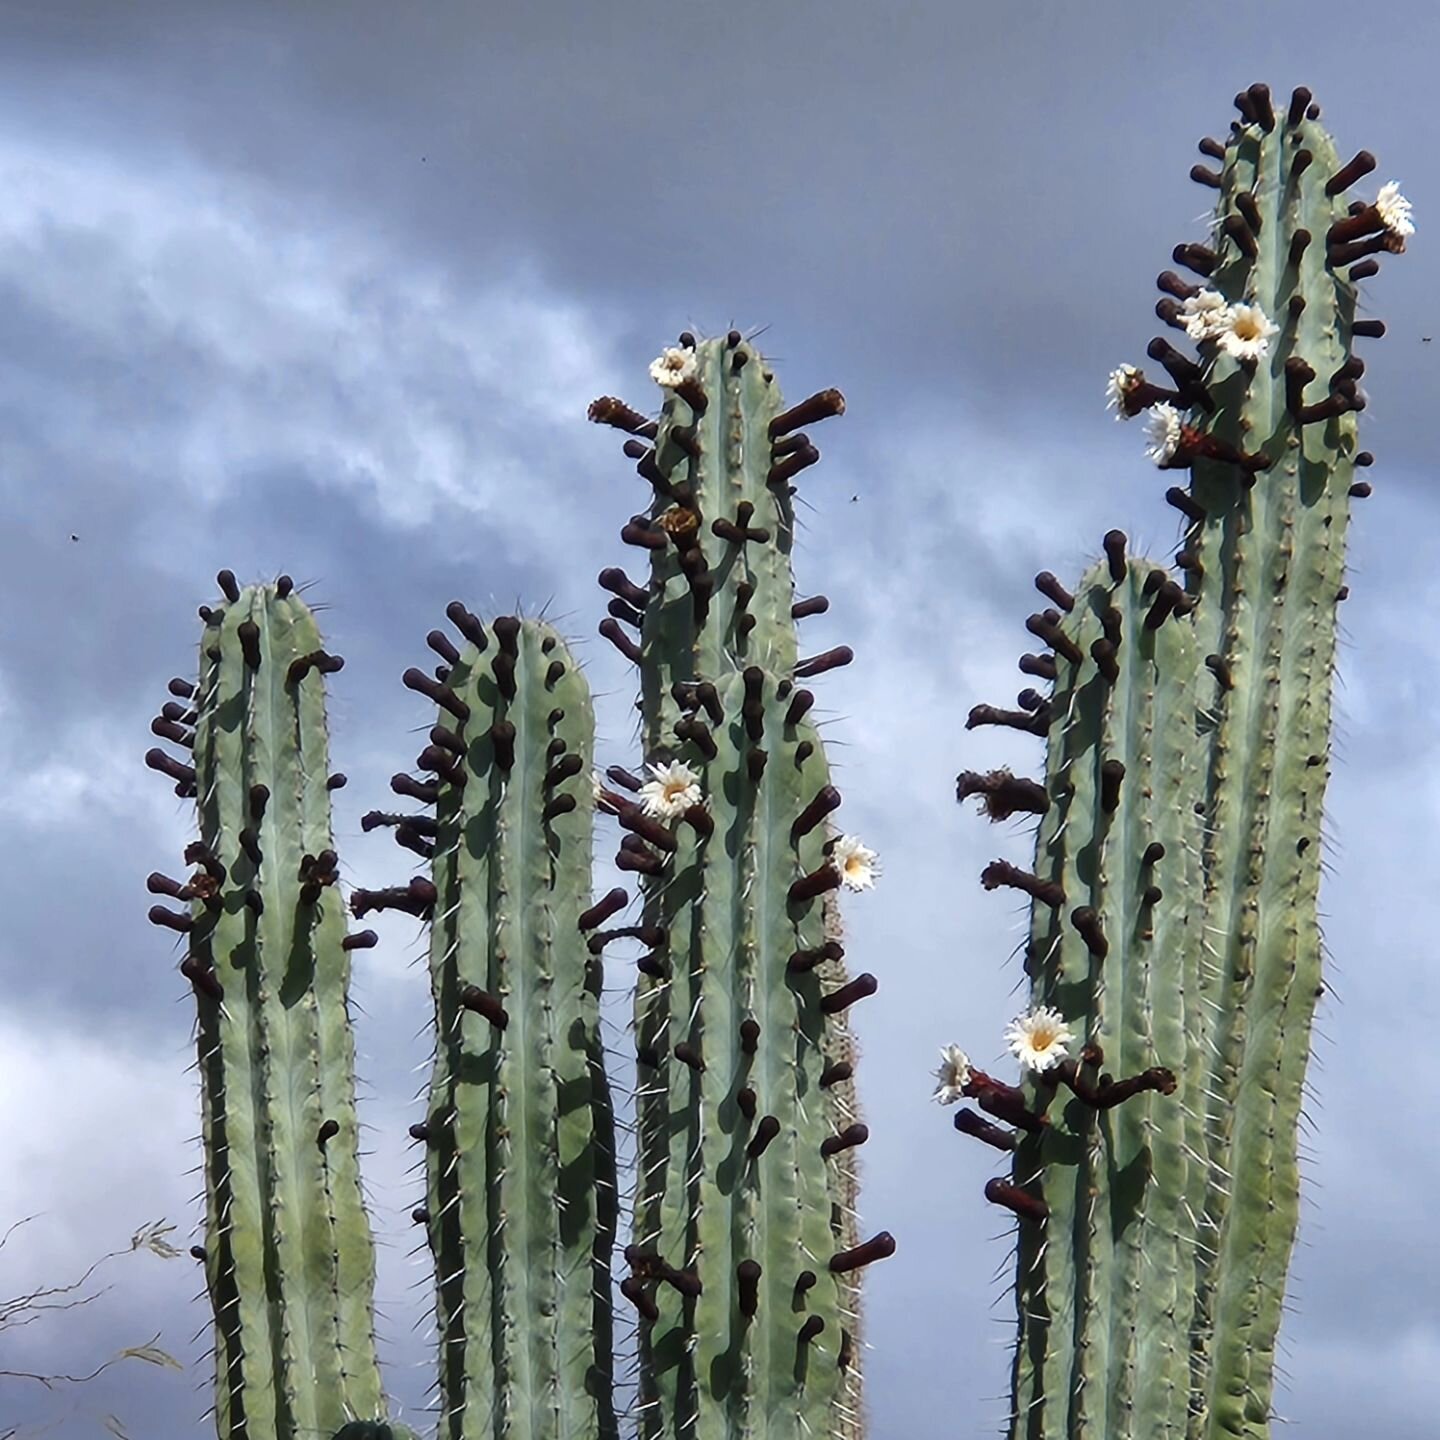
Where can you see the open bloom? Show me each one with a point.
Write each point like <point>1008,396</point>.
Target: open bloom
<point>1394,209</point>
<point>673,366</point>
<point>1121,383</point>
<point>1038,1039</point>
<point>1206,315</point>
<point>1247,336</point>
<point>1162,432</point>
<point>858,865</point>
<point>675,788</point>
<point>953,1074</point>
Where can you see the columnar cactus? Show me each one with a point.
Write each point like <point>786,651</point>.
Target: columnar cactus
<point>520,1159</point>
<point>288,1255</point>
<point>744,1253</point>
<point>1203,944</point>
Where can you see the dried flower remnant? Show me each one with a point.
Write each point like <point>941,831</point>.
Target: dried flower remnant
<point>953,1075</point>
<point>673,366</point>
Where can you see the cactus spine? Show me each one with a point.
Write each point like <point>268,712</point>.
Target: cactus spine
<point>1214,972</point>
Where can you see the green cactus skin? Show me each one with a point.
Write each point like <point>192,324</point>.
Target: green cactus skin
<point>1272,560</point>
<point>1105,1284</point>
<point>715,1192</point>
<point>520,1151</point>
<point>289,1258</point>
<point>723,442</point>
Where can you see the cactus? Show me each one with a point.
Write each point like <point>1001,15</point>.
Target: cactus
<point>744,1261</point>
<point>1174,939</point>
<point>1174,927</point>
<point>520,1164</point>
<point>288,1254</point>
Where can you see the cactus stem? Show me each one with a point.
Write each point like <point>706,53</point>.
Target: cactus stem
<point>1002,872</point>
<point>1363,163</point>
<point>623,778</point>
<point>1199,258</point>
<point>1046,627</point>
<point>1203,175</point>
<point>747,1278</point>
<point>816,883</point>
<point>417,898</point>
<point>640,861</point>
<point>802,961</point>
<point>620,585</point>
<point>1300,97</point>
<point>1114,547</point>
<point>1245,204</point>
<point>1102,651</point>
<point>1087,925</point>
<point>249,635</point>
<point>202,977</point>
<point>765,1132</point>
<point>698,734</point>
<point>608,410</point>
<point>879,1247</point>
<point>634,1291</point>
<point>1364,270</point>
<point>1041,666</point>
<point>815,605</point>
<point>858,989</point>
<point>811,1329</point>
<point>482,1002</point>
<point>1218,667</point>
<point>800,704</point>
<point>361,940</point>
<point>611,903</point>
<point>791,465</point>
<point>171,919</point>
<point>1181,501</point>
<point>1052,589</point>
<point>834,1073</point>
<point>1003,793</point>
<point>228,585</point>
<point>634,819</point>
<point>820,406</point>
<point>1019,1202</point>
<point>967,1122</point>
<point>826,800</point>
<point>846,1139</point>
<point>1235,227</point>
<point>177,770</point>
<point>637,531</point>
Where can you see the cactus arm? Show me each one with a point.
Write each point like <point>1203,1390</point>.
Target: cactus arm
<point>289,1257</point>
<point>519,1145</point>
<point>1102,1348</point>
<point>720,1192</point>
<point>1273,564</point>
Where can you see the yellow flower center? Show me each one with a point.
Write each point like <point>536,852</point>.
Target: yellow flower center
<point>1043,1037</point>
<point>674,789</point>
<point>1247,327</point>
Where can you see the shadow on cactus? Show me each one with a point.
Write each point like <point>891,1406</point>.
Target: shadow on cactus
<point>1174,938</point>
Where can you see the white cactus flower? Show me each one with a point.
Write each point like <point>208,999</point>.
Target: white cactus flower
<point>953,1075</point>
<point>858,865</point>
<point>1206,315</point>
<point>1394,209</point>
<point>1247,337</point>
<point>1162,432</point>
<point>673,366</point>
<point>1038,1040</point>
<point>1121,382</point>
<point>675,788</point>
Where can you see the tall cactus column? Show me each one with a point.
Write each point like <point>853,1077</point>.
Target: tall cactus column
<point>289,1259</point>
<point>1272,474</point>
<point>1265,546</point>
<point>744,1251</point>
<point>1107,1177</point>
<point>520,1161</point>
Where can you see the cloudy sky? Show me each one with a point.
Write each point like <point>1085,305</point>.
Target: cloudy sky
<point>326,289</point>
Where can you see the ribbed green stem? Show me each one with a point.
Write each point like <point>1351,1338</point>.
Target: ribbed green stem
<point>1103,1282</point>
<point>288,1256</point>
<point>713,1193</point>
<point>1273,564</point>
<point>520,1174</point>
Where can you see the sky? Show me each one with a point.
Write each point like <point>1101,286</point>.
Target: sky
<point>326,290</point>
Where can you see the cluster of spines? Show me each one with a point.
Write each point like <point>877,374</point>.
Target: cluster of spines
<point>288,1252</point>
<point>521,1190</point>
<point>746,1111</point>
